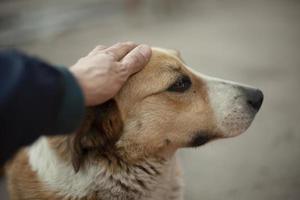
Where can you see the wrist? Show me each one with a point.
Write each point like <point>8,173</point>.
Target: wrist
<point>73,103</point>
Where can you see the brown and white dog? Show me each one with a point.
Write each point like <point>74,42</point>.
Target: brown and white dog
<point>125,148</point>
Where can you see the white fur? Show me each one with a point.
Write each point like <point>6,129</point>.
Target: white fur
<point>58,175</point>
<point>229,105</point>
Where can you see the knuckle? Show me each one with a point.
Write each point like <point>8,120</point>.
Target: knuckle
<point>118,45</point>
<point>100,47</point>
<point>123,69</point>
<point>130,43</point>
<point>127,44</point>
<point>110,55</point>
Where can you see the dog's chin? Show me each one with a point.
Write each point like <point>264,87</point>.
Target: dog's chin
<point>201,138</point>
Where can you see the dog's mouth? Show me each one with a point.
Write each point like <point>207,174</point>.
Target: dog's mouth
<point>201,138</point>
<point>240,117</point>
<point>235,123</point>
<point>234,105</point>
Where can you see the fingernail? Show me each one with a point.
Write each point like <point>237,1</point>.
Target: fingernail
<point>145,50</point>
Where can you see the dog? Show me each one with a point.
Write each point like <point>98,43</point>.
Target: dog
<point>126,147</point>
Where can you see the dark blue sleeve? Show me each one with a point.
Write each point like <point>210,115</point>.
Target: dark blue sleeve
<point>35,99</point>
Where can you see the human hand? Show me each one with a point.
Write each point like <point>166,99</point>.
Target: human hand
<point>104,70</point>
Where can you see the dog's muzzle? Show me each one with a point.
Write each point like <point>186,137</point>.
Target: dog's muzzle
<point>234,105</point>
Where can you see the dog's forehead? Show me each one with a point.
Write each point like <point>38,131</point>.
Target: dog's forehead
<point>161,70</point>
<point>169,52</point>
<point>164,59</point>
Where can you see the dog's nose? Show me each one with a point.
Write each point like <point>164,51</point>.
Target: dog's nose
<point>254,98</point>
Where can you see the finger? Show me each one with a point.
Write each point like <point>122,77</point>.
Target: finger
<point>119,50</point>
<point>97,49</point>
<point>137,58</point>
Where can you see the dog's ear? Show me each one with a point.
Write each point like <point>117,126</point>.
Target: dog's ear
<point>100,130</point>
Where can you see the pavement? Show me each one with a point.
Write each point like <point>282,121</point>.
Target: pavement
<point>254,42</point>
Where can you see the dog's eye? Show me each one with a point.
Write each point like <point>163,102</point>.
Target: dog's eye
<point>182,84</point>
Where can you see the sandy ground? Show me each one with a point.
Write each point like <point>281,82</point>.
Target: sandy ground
<point>255,42</point>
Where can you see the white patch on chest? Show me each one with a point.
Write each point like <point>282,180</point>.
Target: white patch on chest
<point>58,175</point>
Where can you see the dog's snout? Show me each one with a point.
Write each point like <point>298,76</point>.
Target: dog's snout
<point>254,97</point>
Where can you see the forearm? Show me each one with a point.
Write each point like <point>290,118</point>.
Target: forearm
<point>35,99</point>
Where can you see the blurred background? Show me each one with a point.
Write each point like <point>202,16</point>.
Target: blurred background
<point>256,42</point>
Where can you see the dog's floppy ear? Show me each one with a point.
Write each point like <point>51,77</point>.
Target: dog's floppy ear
<point>100,130</point>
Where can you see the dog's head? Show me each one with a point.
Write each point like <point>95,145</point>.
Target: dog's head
<point>164,107</point>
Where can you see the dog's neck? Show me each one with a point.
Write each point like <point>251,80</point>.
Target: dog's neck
<point>97,177</point>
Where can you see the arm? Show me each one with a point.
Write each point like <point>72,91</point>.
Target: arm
<point>35,99</point>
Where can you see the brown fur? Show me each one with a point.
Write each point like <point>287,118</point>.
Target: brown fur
<point>98,134</point>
